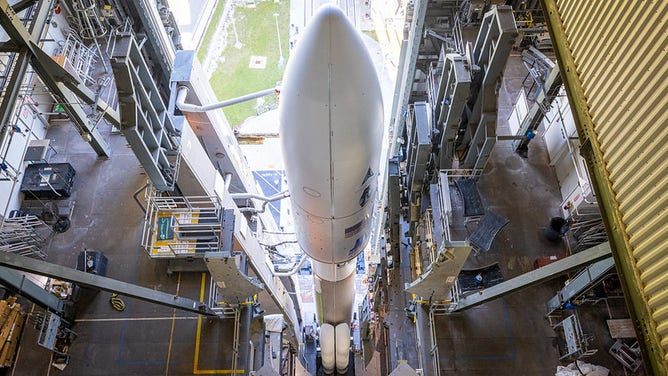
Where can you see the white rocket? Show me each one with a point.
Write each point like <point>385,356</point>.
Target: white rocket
<point>331,127</point>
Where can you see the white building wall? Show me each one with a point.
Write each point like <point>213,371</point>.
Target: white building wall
<point>562,145</point>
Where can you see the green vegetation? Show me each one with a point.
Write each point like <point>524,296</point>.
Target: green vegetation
<point>218,11</point>
<point>256,28</point>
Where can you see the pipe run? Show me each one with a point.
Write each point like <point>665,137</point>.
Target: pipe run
<point>227,179</point>
<point>189,107</point>
<point>246,196</point>
<point>294,270</point>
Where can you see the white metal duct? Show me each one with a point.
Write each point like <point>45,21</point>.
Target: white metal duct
<point>620,53</point>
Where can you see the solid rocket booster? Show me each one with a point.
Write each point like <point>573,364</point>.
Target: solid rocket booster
<point>331,119</point>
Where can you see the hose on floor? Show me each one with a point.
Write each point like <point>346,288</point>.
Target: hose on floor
<point>117,303</point>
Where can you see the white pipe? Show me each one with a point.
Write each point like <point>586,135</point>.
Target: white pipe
<point>188,107</point>
<point>293,270</point>
<point>242,196</point>
<point>227,179</point>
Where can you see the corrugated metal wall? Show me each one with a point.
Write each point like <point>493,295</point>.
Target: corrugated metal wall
<point>620,53</point>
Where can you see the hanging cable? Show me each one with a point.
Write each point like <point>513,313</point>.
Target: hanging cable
<point>117,303</point>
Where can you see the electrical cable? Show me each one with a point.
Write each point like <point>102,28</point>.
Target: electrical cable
<point>117,303</point>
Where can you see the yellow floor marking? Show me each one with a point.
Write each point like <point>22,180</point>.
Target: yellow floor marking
<point>111,319</point>
<point>171,333</point>
<point>196,369</point>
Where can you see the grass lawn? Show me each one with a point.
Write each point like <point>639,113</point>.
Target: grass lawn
<point>217,12</point>
<point>256,28</point>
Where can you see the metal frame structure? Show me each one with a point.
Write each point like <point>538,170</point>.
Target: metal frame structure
<point>577,342</point>
<point>456,130</point>
<point>581,283</point>
<point>62,85</point>
<point>24,236</point>
<point>80,57</point>
<point>416,12</point>
<point>535,277</point>
<point>102,283</point>
<point>489,53</point>
<point>147,125</point>
<point>195,225</point>
<point>449,97</point>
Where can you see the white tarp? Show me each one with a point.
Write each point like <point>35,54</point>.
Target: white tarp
<point>403,369</point>
<point>586,368</point>
<point>274,323</point>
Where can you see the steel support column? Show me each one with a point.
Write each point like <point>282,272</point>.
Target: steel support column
<point>88,131</point>
<point>21,63</point>
<point>410,49</point>
<point>244,362</point>
<point>46,66</point>
<point>102,283</point>
<point>22,5</point>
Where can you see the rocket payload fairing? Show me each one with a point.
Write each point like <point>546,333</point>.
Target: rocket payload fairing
<point>331,127</point>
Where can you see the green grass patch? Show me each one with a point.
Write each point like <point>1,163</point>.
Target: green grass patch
<point>217,12</point>
<point>256,28</point>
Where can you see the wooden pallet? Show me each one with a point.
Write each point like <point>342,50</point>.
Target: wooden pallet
<point>11,326</point>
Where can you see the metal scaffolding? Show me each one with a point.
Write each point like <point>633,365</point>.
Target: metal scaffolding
<point>25,236</point>
<point>176,226</point>
<point>78,57</point>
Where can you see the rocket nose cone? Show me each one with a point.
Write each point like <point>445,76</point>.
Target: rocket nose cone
<point>328,12</point>
<point>328,22</point>
<point>328,40</point>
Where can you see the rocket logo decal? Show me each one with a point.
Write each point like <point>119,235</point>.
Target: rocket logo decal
<point>355,229</point>
<point>365,194</point>
<point>369,174</point>
<point>365,197</point>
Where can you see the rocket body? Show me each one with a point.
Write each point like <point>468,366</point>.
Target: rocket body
<point>331,119</point>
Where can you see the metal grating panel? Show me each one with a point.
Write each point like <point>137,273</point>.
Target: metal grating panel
<point>620,54</point>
